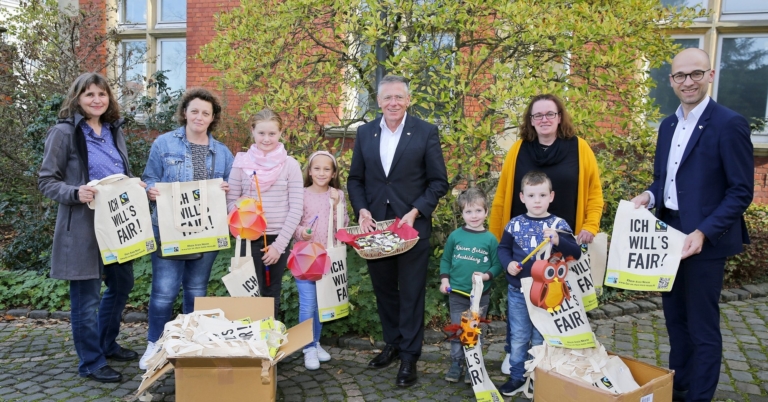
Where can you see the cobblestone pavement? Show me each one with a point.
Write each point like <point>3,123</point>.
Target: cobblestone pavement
<point>38,362</point>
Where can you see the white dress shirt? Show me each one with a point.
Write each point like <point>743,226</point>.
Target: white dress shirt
<point>389,140</point>
<point>683,131</point>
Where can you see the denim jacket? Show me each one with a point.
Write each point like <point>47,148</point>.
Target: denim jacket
<point>170,160</point>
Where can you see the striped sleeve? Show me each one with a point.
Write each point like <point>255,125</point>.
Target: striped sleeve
<point>295,205</point>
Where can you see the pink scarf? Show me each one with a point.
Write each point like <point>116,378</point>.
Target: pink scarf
<point>266,167</point>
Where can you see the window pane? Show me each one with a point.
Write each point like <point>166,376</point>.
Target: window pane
<point>663,95</point>
<point>133,69</point>
<point>173,10</point>
<point>173,58</point>
<point>134,11</point>
<point>744,6</point>
<point>743,83</point>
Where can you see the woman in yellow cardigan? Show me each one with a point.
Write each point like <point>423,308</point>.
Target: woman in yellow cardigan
<point>548,143</point>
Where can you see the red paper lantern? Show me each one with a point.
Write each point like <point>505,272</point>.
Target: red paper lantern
<point>309,261</point>
<point>247,220</point>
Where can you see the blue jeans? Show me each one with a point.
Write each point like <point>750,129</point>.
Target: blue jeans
<point>96,319</point>
<point>308,308</point>
<point>167,277</point>
<point>458,304</point>
<point>522,333</point>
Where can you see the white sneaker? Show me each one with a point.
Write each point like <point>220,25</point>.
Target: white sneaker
<point>151,351</point>
<point>505,365</point>
<point>310,359</point>
<point>322,355</point>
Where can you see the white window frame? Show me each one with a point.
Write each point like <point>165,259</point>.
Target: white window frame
<point>159,62</point>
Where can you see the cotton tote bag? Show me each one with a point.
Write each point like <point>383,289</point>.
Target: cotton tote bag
<point>192,217</point>
<point>644,253</point>
<point>332,296</point>
<point>241,281</point>
<point>122,220</point>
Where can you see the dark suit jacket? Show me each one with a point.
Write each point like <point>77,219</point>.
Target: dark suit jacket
<point>715,180</point>
<point>417,177</point>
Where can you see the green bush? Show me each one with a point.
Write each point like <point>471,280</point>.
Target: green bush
<point>751,264</point>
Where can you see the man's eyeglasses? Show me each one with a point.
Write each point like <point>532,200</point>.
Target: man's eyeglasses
<point>695,75</point>
<point>397,98</point>
<point>549,116</point>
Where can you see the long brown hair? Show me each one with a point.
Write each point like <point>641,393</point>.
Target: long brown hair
<point>565,129</point>
<point>71,104</point>
<point>204,95</point>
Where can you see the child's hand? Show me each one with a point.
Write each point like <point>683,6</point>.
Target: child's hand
<point>514,268</point>
<point>484,275</point>
<point>305,235</point>
<point>552,235</point>
<point>444,285</point>
<point>335,196</point>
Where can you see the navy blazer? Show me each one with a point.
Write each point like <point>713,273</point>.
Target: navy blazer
<point>417,177</point>
<point>715,180</point>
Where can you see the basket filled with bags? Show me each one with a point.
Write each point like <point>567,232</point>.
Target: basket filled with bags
<point>387,240</point>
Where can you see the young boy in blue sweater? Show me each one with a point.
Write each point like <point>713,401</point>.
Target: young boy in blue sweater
<point>521,236</point>
<point>469,250</point>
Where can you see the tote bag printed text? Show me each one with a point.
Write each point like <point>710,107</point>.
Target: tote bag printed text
<point>192,217</point>
<point>567,327</point>
<point>644,253</point>
<point>332,295</point>
<point>123,223</point>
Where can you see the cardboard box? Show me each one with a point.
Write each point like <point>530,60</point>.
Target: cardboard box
<point>232,378</point>
<point>655,386</point>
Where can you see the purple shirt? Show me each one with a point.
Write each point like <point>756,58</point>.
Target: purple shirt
<point>103,157</point>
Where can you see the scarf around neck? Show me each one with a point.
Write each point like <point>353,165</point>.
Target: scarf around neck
<point>553,155</point>
<point>265,166</point>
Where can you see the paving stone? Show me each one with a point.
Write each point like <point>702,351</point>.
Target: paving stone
<point>61,315</point>
<point>656,300</point>
<point>741,293</point>
<point>611,310</point>
<point>645,305</point>
<point>748,388</point>
<point>742,376</point>
<point>628,307</point>
<point>727,296</point>
<point>754,290</point>
<point>432,336</point>
<point>596,314</point>
<point>18,312</point>
<point>39,314</point>
<point>135,317</point>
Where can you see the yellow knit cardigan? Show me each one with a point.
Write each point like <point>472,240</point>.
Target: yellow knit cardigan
<point>589,206</point>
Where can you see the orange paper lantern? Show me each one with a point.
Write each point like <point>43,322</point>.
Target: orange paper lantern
<point>247,220</point>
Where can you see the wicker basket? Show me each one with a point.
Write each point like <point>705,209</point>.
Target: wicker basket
<point>378,252</point>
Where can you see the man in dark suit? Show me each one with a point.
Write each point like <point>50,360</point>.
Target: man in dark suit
<point>398,171</point>
<point>703,182</point>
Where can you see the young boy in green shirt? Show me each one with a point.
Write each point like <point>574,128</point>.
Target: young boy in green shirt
<point>469,250</point>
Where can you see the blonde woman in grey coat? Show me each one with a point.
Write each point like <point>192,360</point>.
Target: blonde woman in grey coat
<point>87,144</point>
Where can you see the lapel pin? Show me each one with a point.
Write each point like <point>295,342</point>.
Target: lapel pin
<point>673,124</point>
<point>407,133</point>
<point>701,127</point>
<point>375,134</point>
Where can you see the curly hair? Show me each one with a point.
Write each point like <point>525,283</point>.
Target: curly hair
<point>204,95</point>
<point>71,104</point>
<point>565,129</point>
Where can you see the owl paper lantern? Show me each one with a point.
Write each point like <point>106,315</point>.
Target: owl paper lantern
<point>247,220</point>
<point>309,261</point>
<point>549,288</point>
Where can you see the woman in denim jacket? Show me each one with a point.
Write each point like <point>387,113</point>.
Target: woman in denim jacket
<point>185,154</point>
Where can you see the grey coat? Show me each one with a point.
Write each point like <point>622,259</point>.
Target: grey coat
<point>75,254</point>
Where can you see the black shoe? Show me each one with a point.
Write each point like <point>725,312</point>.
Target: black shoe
<point>106,374</point>
<point>406,376</point>
<point>384,358</point>
<point>679,396</point>
<point>123,355</point>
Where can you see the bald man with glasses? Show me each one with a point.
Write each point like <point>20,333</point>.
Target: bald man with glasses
<point>703,182</point>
